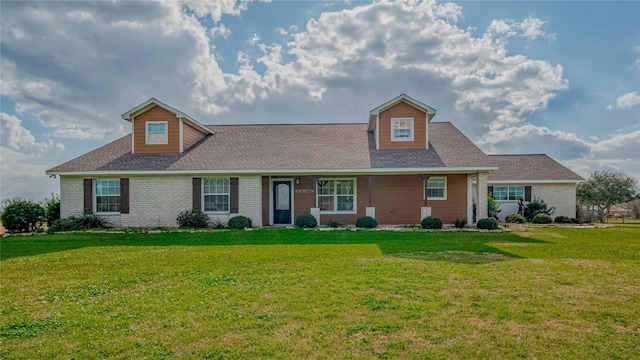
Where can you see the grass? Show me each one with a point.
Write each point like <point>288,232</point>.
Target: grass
<point>548,293</point>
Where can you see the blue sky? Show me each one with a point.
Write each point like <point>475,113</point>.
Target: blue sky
<point>561,78</point>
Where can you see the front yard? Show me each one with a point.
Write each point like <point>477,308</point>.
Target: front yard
<point>542,294</point>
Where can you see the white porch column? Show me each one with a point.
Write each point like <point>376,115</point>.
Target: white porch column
<point>424,212</point>
<point>370,211</point>
<point>316,214</point>
<point>470,199</point>
<point>481,202</point>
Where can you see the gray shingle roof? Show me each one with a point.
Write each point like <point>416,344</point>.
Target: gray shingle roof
<point>529,167</point>
<point>287,147</point>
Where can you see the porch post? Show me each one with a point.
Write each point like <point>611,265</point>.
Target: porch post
<point>481,203</point>
<point>425,210</point>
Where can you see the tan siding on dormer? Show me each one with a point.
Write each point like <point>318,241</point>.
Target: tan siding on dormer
<point>403,110</point>
<point>156,113</point>
<point>190,135</point>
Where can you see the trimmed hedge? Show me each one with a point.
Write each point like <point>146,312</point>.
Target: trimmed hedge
<point>562,220</point>
<point>306,221</point>
<point>366,222</point>
<point>515,218</point>
<point>542,219</point>
<point>431,222</point>
<point>487,223</point>
<point>239,222</point>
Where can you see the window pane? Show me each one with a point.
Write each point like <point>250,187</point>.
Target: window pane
<point>326,187</point>
<point>216,203</point>
<point>500,192</point>
<point>325,203</point>
<point>345,203</point>
<point>282,197</point>
<point>344,187</point>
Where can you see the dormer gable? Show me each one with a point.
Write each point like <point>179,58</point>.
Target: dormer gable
<point>401,123</point>
<point>157,128</point>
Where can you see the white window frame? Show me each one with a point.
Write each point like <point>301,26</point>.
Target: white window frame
<point>147,134</point>
<point>508,190</point>
<point>335,196</point>
<point>95,196</point>
<point>425,186</point>
<point>228,194</point>
<point>409,121</point>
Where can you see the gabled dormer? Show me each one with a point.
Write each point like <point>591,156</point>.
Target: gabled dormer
<point>157,128</point>
<point>401,123</point>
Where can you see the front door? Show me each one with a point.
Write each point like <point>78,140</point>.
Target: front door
<point>282,202</point>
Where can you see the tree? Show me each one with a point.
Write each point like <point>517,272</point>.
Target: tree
<point>606,188</point>
<point>22,216</point>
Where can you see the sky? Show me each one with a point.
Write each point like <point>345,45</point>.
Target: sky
<point>554,77</point>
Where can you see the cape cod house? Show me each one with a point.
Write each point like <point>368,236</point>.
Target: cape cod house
<point>398,167</point>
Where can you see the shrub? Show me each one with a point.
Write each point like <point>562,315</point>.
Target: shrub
<point>78,222</point>
<point>239,222</point>
<point>460,223</point>
<point>366,222</point>
<point>431,222</point>
<point>574,221</point>
<point>562,220</point>
<point>487,223</point>
<point>542,218</point>
<point>306,221</point>
<point>22,216</point>
<point>515,218</point>
<point>192,218</point>
<point>493,206</point>
<point>535,207</point>
<point>52,209</point>
<point>334,224</point>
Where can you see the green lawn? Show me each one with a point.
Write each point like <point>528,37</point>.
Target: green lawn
<point>551,293</point>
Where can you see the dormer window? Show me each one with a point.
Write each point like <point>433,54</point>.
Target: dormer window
<point>401,129</point>
<point>157,132</point>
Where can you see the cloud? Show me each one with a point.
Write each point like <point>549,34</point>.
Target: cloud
<point>19,138</point>
<point>22,172</point>
<point>530,28</point>
<point>628,100</point>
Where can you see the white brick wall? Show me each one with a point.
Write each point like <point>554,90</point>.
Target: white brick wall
<point>157,200</point>
<point>481,205</point>
<point>560,196</point>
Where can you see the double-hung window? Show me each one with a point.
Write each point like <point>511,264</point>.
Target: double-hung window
<point>401,129</point>
<point>437,188</point>
<point>216,194</point>
<point>507,193</point>
<point>157,132</point>
<point>107,195</point>
<point>336,195</point>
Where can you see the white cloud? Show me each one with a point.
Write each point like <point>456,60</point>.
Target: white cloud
<point>628,100</point>
<point>281,31</point>
<point>530,28</point>
<point>24,176</point>
<point>19,138</point>
<point>219,30</point>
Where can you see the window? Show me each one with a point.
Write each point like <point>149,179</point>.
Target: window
<point>437,188</point>
<point>216,194</point>
<point>336,195</point>
<point>157,132</point>
<point>401,129</point>
<point>506,193</point>
<point>107,195</point>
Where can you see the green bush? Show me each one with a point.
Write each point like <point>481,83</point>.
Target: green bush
<point>192,218</point>
<point>562,220</point>
<point>334,224</point>
<point>306,221</point>
<point>515,218</point>
<point>239,222</point>
<point>535,207</point>
<point>431,222</point>
<point>487,223</point>
<point>366,222</point>
<point>52,209</point>
<point>78,222</point>
<point>22,216</point>
<point>460,223</point>
<point>542,218</point>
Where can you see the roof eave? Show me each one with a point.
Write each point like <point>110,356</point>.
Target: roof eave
<point>179,114</point>
<point>419,104</point>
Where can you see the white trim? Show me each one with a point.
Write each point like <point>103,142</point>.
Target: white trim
<point>408,120</point>
<point>534,182</point>
<point>355,195</point>
<point>292,190</point>
<point>493,192</point>
<point>181,136</point>
<point>415,103</point>
<point>469,199</point>
<point>407,171</point>
<point>146,132</point>
<point>133,138</point>
<point>94,200</point>
<point>179,114</point>
<point>377,132</point>
<point>426,133</point>
<point>424,188</point>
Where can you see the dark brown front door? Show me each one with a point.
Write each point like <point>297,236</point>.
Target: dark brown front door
<point>282,202</point>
